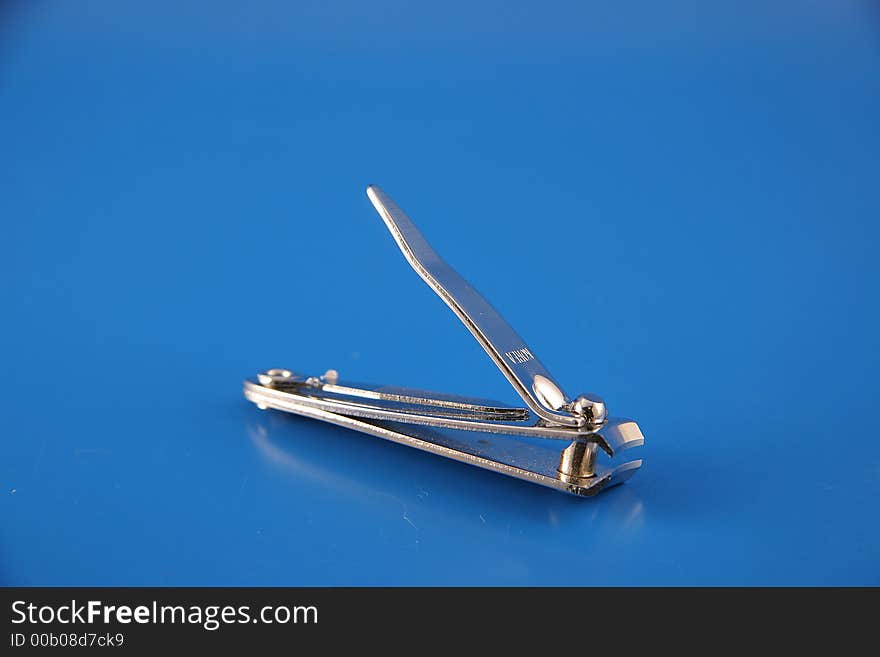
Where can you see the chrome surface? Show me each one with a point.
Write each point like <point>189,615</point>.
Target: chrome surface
<point>516,441</point>
<point>536,463</point>
<point>613,436</point>
<point>591,407</point>
<point>578,461</point>
<point>505,347</point>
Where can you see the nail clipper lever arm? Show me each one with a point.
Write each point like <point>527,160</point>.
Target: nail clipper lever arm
<point>508,351</point>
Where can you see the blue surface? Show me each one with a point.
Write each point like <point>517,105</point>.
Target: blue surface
<point>694,188</point>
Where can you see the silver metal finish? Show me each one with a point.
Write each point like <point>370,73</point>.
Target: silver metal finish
<point>578,461</point>
<point>524,460</point>
<point>489,434</point>
<point>517,362</point>
<point>613,436</point>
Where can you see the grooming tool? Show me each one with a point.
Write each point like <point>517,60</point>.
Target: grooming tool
<point>554,440</point>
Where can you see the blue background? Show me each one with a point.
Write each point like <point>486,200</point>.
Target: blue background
<point>676,204</point>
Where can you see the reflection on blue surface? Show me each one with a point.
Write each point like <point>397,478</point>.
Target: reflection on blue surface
<point>182,202</point>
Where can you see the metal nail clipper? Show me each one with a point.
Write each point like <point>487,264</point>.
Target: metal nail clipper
<point>554,441</point>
